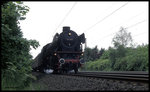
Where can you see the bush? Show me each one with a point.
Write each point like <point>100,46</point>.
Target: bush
<point>121,59</point>
<point>98,65</point>
<point>138,59</point>
<point>15,57</point>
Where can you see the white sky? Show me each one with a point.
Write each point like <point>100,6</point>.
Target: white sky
<point>44,17</point>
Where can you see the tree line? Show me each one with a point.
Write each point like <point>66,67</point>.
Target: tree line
<point>123,56</point>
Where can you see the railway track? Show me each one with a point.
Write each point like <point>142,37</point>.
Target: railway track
<point>127,75</point>
<point>138,76</point>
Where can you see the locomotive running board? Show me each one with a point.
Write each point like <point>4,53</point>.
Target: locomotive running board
<point>68,52</point>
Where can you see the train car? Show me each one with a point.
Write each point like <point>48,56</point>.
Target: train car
<point>65,53</point>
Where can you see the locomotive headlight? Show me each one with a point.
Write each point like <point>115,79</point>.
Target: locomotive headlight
<point>62,61</point>
<point>69,34</point>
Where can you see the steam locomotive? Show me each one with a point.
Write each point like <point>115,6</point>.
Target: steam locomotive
<point>65,53</point>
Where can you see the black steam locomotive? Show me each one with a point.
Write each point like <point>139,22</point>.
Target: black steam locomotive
<point>65,53</point>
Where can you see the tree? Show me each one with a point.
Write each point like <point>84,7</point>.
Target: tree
<point>87,54</point>
<point>94,53</point>
<point>101,52</point>
<point>122,38</point>
<point>112,56</point>
<point>91,54</point>
<point>15,57</point>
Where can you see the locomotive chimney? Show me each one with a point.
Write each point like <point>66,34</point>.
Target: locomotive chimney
<point>66,28</point>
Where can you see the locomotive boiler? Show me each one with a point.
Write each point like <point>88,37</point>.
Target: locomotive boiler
<point>65,53</point>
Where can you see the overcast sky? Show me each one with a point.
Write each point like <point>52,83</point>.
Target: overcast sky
<point>98,20</point>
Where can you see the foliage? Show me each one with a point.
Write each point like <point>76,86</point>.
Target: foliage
<point>101,52</point>
<point>121,59</point>
<point>122,38</point>
<point>16,59</point>
<point>135,60</point>
<point>138,59</point>
<point>98,65</point>
<point>105,54</point>
<point>91,54</point>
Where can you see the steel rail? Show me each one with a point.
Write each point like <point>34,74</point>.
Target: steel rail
<point>130,76</point>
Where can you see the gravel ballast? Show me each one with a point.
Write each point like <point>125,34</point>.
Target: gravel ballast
<point>74,83</point>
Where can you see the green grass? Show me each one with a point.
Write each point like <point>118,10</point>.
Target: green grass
<point>10,85</point>
<point>35,86</point>
<point>98,65</point>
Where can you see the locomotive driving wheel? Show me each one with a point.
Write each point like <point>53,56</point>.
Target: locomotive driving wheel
<point>55,72</point>
<point>75,68</point>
